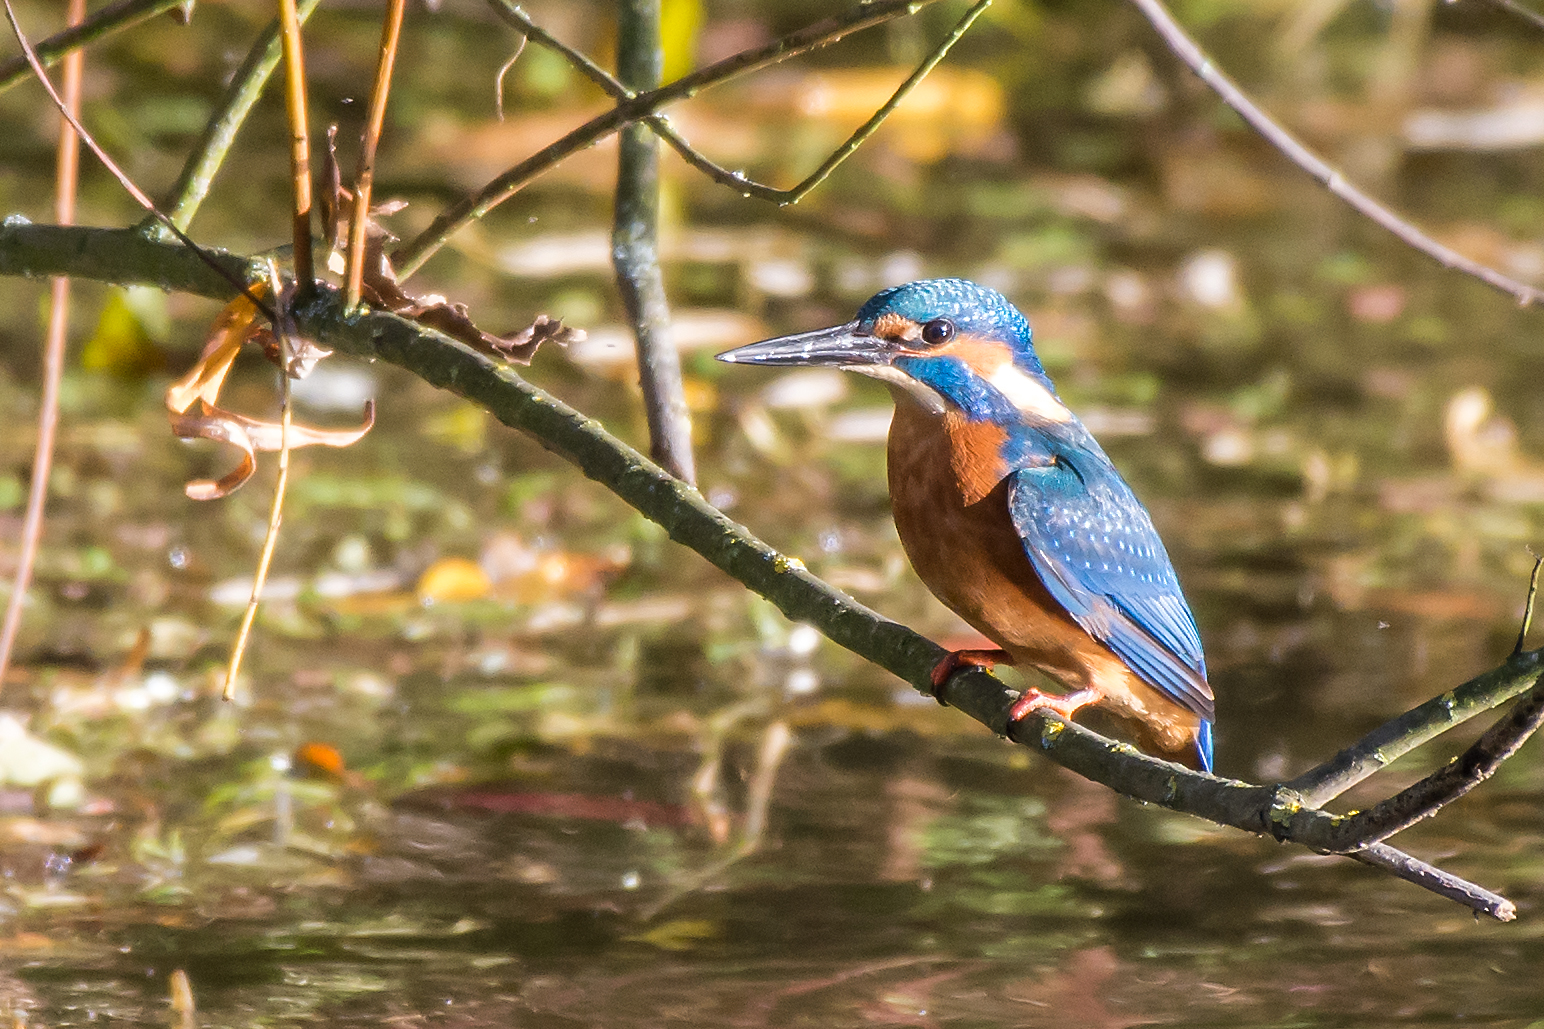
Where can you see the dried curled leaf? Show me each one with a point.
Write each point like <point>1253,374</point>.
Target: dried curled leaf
<point>382,290</point>
<point>521,346</point>
<point>203,381</point>
<point>252,436</point>
<point>201,386</point>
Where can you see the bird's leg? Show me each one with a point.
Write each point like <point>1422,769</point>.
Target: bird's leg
<point>1063,705</point>
<point>957,659</point>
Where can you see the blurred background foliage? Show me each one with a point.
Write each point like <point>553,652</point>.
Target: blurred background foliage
<point>506,754</point>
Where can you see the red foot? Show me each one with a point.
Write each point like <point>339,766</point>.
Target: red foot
<point>1063,705</point>
<point>945,669</point>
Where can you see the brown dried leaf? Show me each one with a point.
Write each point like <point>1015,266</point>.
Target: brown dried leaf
<point>521,346</point>
<point>252,435</point>
<point>204,379</point>
<point>382,290</point>
<point>266,436</point>
<point>211,425</point>
<point>333,197</point>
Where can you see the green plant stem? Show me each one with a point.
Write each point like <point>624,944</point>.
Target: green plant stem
<point>635,248</point>
<point>1274,810</point>
<point>110,19</point>
<point>220,130</point>
<point>411,256</point>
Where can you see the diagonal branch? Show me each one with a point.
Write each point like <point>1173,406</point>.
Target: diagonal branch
<point>1191,54</point>
<point>1518,10</point>
<point>1271,810</point>
<point>220,131</point>
<point>110,19</point>
<point>1449,782</point>
<point>694,157</point>
<point>411,256</point>
<point>198,252</point>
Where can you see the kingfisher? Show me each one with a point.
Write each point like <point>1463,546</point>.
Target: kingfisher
<point>1014,517</point>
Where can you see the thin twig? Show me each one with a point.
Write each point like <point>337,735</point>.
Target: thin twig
<point>635,248</point>
<point>220,131</point>
<point>1517,10</point>
<point>364,174</point>
<point>66,179</point>
<point>718,173</point>
<point>110,19</point>
<point>1533,592</point>
<point>1187,51</point>
<point>498,80</point>
<point>126,256</point>
<point>1430,877</point>
<point>1448,783</point>
<point>410,257</point>
<point>118,173</point>
<point>298,112</point>
<point>1397,737</point>
<point>284,333</point>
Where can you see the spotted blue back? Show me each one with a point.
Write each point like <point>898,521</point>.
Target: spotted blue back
<point>1094,546</point>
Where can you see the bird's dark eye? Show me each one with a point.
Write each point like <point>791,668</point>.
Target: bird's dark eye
<point>937,331</point>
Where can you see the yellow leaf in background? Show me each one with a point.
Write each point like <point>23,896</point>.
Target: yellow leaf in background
<point>464,426</point>
<point>123,342</point>
<point>953,110</point>
<point>679,23</point>
<point>681,934</point>
<point>452,579</point>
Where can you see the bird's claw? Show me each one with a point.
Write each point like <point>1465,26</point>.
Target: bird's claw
<point>957,659</point>
<point>1063,706</point>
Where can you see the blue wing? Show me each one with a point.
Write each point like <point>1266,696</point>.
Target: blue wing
<point>1093,545</point>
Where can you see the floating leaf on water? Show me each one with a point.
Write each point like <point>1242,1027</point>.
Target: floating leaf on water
<point>453,579</point>
<point>680,935</point>
<point>26,760</point>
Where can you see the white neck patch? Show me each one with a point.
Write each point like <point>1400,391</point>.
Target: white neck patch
<point>1028,394</point>
<point>930,399</point>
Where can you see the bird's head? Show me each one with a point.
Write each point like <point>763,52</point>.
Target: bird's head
<point>948,344</point>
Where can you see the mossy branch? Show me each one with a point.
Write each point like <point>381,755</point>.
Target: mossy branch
<point>1277,810</point>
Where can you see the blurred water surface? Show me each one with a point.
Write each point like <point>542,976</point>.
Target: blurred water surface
<point>508,756</point>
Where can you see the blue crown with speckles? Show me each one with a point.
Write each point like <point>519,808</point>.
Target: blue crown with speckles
<point>972,308</point>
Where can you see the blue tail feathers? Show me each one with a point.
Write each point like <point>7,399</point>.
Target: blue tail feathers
<point>1204,745</point>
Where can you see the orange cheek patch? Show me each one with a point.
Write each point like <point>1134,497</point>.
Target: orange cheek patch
<point>894,326</point>
<point>975,455</point>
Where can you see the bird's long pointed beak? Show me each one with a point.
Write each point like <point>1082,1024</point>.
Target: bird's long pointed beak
<point>840,346</point>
